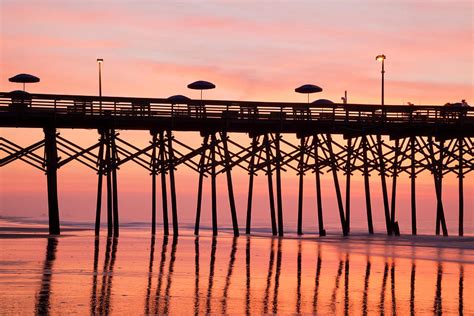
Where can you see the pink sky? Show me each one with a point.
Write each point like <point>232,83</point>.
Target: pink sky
<point>250,50</point>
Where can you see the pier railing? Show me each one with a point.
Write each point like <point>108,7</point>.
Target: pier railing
<point>149,108</point>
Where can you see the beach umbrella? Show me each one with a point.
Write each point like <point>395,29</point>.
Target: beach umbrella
<point>24,78</point>
<point>179,99</point>
<point>308,89</point>
<point>20,97</point>
<point>201,85</point>
<point>322,102</point>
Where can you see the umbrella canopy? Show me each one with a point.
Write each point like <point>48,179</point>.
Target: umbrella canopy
<point>19,95</point>
<point>24,78</point>
<point>201,85</point>
<point>308,88</point>
<point>179,99</point>
<point>322,102</point>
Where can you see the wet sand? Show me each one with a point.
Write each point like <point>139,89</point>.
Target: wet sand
<point>138,274</point>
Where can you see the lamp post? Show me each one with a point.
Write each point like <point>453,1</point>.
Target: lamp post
<point>382,59</point>
<point>100,61</point>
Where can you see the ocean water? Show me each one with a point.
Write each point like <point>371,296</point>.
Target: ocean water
<point>140,274</point>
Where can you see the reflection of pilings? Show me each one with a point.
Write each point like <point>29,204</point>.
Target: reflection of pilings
<point>51,159</point>
<point>346,286</point>
<point>461,290</point>
<point>367,185</point>
<point>150,276</point>
<point>196,276</point>
<point>160,275</point>
<point>276,287</point>
<point>412,288</point>
<point>336,286</point>
<point>298,279</point>
<point>365,295</point>
<point>382,289</point>
<point>392,287</point>
<point>94,277</point>
<point>316,281</point>
<point>110,275</point>
<point>43,297</point>
<point>107,275</point>
<point>438,306</point>
<point>247,277</point>
<point>211,275</point>
<point>228,277</point>
<point>269,277</point>
<point>169,278</point>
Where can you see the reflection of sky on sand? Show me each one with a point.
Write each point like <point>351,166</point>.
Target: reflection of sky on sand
<point>141,274</point>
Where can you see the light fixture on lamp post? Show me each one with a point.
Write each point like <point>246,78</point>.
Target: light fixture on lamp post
<point>382,59</point>
<point>100,61</point>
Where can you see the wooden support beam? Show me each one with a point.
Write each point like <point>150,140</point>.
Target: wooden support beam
<point>51,157</point>
<point>413,184</point>
<point>164,194</point>
<point>394,188</point>
<point>114,183</point>
<point>336,185</point>
<point>348,184</point>
<point>230,188</point>
<point>461,186</point>
<point>319,198</point>
<point>300,187</point>
<point>250,193</point>
<point>278,184</point>
<point>438,174</point>
<point>200,183</point>
<point>153,182</point>
<point>367,185</point>
<point>213,186</point>
<point>384,186</point>
<point>109,184</point>
<point>100,172</point>
<point>270,184</point>
<point>174,207</point>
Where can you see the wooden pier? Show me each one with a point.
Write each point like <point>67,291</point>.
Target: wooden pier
<point>384,141</point>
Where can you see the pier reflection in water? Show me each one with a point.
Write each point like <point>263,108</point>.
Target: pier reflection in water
<point>247,275</point>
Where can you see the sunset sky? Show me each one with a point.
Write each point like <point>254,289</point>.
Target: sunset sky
<point>251,50</point>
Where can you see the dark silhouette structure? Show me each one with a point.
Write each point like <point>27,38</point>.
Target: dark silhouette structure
<point>370,139</point>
